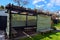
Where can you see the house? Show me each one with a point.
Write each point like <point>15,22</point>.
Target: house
<point>3,20</point>
<point>4,29</point>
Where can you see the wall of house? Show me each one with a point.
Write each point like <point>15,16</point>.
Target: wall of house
<point>3,22</point>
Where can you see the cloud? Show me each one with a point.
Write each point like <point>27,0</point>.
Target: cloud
<point>57,2</point>
<point>53,3</point>
<point>36,1</point>
<point>45,2</point>
<point>48,4</point>
<point>39,6</point>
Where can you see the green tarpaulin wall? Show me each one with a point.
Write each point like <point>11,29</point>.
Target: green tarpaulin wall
<point>20,20</point>
<point>43,22</point>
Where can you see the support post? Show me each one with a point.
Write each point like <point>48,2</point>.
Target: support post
<point>26,19</point>
<point>9,11</point>
<point>36,21</point>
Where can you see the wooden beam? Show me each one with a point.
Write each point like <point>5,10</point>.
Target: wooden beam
<point>9,11</point>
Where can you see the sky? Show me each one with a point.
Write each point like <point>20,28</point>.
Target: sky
<point>51,5</point>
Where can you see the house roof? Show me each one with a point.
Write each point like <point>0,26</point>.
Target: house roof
<point>2,13</point>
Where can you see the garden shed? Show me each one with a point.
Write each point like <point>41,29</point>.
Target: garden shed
<point>39,20</point>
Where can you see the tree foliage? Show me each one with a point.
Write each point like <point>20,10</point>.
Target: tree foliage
<point>1,7</point>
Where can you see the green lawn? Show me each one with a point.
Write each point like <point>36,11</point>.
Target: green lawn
<point>57,25</point>
<point>48,36</point>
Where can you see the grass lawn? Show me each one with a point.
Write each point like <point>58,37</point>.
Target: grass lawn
<point>48,36</point>
<point>57,25</point>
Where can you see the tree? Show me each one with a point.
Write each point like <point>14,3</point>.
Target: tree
<point>1,7</point>
<point>17,1</point>
<point>21,2</point>
<point>35,9</point>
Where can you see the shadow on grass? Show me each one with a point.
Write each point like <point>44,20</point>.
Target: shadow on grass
<point>40,36</point>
